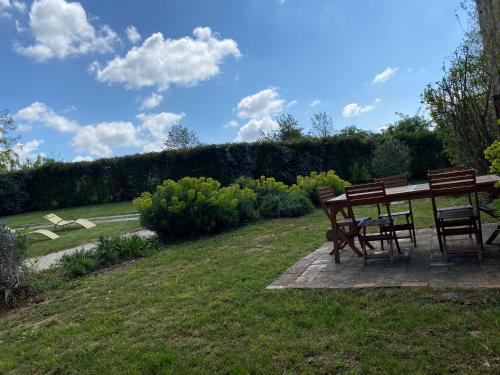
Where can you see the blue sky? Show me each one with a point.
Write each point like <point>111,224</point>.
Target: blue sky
<point>105,78</point>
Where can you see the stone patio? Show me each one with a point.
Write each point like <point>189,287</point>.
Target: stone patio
<point>418,267</point>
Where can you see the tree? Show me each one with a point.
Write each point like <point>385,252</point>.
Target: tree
<point>408,124</point>
<point>489,21</point>
<point>390,158</point>
<point>460,104</point>
<point>322,125</point>
<point>180,137</point>
<point>354,131</point>
<point>288,129</point>
<point>8,158</point>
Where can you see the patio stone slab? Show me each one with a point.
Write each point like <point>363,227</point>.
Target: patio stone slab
<point>420,267</point>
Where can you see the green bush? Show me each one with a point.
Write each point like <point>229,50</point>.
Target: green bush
<point>57,185</point>
<point>15,279</point>
<point>189,207</point>
<point>390,158</point>
<point>109,251</point>
<point>285,204</point>
<point>308,184</point>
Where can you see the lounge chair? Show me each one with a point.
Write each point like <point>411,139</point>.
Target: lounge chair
<point>44,232</point>
<point>57,221</point>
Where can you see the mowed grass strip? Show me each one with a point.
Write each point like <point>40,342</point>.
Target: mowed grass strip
<point>82,212</point>
<point>202,307</point>
<point>72,236</point>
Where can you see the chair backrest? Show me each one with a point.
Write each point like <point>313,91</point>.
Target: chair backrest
<point>452,183</point>
<point>367,194</point>
<point>323,193</point>
<point>447,169</point>
<point>393,181</point>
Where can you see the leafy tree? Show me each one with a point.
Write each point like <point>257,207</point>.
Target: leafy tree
<point>391,157</point>
<point>354,131</point>
<point>460,104</point>
<point>8,158</point>
<point>180,137</point>
<point>408,124</point>
<point>288,129</point>
<point>322,125</point>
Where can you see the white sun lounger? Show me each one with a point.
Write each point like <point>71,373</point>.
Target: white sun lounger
<point>57,221</point>
<point>44,232</point>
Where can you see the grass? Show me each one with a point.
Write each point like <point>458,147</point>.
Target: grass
<point>83,212</point>
<point>202,307</point>
<point>75,236</point>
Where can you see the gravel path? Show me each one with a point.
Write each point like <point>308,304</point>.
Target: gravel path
<point>47,261</point>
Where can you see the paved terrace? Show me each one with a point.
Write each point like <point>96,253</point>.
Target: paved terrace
<point>418,267</point>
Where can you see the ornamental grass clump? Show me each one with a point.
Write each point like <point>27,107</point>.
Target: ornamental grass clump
<point>110,251</point>
<point>15,278</point>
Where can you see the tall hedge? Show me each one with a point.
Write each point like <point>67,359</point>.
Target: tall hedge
<point>58,185</point>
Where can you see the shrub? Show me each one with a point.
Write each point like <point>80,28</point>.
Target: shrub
<point>307,184</point>
<point>109,251</point>
<point>285,204</point>
<point>189,207</point>
<point>391,157</point>
<point>15,280</point>
<point>246,205</point>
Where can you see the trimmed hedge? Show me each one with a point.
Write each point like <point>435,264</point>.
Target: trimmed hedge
<point>57,185</point>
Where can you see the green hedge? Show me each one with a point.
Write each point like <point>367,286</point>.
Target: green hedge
<point>123,178</point>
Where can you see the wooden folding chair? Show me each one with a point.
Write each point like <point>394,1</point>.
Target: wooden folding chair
<point>369,194</point>
<point>452,169</point>
<point>454,221</point>
<point>398,181</point>
<point>324,193</point>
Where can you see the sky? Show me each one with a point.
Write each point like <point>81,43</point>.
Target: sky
<point>92,79</point>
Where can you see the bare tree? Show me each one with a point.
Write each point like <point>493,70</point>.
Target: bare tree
<point>180,137</point>
<point>322,125</point>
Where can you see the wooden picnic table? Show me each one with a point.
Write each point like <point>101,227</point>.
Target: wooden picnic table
<point>338,204</point>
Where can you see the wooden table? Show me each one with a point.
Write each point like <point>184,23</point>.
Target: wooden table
<point>404,193</point>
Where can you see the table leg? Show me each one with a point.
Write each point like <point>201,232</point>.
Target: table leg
<point>335,235</point>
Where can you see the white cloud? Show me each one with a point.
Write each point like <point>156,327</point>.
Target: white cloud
<point>27,150</point>
<point>156,125</point>
<point>19,27</point>
<point>354,109</point>
<point>100,140</point>
<point>39,112</point>
<point>232,124</point>
<point>61,29</point>
<point>384,75</point>
<point>163,62</point>
<point>255,128</point>
<point>315,103</point>
<point>377,100</point>
<point>82,158</point>
<point>19,5</point>
<point>132,34</point>
<point>292,103</point>
<point>152,101</point>
<point>262,104</point>
<point>258,109</point>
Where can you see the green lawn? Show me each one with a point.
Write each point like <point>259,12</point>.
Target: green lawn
<point>75,236</point>
<point>83,212</point>
<point>202,307</point>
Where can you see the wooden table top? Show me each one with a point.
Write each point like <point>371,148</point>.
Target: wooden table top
<point>419,191</point>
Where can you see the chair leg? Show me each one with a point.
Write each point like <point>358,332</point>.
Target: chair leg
<point>391,250</point>
<point>381,241</point>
